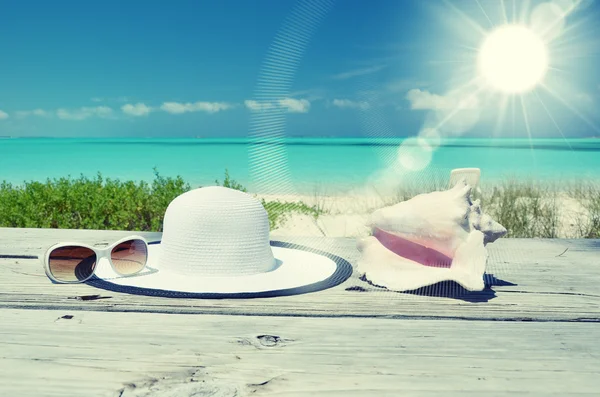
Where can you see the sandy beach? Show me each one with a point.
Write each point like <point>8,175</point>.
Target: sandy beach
<point>346,215</point>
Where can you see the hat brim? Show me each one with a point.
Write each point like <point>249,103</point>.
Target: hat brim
<point>300,270</point>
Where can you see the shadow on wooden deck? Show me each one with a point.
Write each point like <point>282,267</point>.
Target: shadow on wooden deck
<point>453,290</point>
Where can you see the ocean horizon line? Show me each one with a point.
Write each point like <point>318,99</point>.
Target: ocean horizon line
<point>570,144</point>
<point>292,139</point>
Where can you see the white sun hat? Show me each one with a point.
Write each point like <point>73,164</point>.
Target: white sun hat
<point>215,244</point>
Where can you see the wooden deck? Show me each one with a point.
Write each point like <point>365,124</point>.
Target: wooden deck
<point>535,331</point>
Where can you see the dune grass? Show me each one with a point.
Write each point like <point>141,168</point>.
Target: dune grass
<point>279,211</point>
<point>529,208</point>
<point>526,208</point>
<point>545,210</point>
<point>588,197</point>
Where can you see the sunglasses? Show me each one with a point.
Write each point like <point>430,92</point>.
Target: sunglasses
<point>76,263</point>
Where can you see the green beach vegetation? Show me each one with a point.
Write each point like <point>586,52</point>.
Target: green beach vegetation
<point>110,204</point>
<point>526,208</point>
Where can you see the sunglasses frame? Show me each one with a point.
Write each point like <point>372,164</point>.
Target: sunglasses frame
<point>100,253</point>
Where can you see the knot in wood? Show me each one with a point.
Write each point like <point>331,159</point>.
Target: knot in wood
<point>269,340</point>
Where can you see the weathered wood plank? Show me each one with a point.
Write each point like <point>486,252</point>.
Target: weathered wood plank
<point>130,354</point>
<point>555,280</point>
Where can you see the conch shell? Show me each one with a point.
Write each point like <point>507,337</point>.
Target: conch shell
<point>433,237</point>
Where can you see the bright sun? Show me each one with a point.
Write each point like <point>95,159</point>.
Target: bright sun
<point>513,59</point>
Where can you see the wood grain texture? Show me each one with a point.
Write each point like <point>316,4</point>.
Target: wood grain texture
<point>532,280</point>
<point>48,353</point>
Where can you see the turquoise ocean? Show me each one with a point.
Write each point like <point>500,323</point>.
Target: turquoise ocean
<point>312,162</point>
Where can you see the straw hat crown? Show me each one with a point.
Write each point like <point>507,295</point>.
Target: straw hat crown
<point>216,231</point>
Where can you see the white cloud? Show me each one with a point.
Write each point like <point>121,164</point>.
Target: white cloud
<point>291,105</point>
<point>421,100</point>
<point>84,113</point>
<point>358,72</point>
<point>452,113</point>
<point>257,106</point>
<point>348,104</point>
<point>208,107</point>
<point>295,105</point>
<point>35,112</point>
<point>139,109</point>
<point>425,100</point>
<point>39,112</point>
<point>3,115</point>
<point>175,108</point>
<point>96,99</point>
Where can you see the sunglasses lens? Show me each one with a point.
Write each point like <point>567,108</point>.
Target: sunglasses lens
<point>69,264</point>
<point>129,257</point>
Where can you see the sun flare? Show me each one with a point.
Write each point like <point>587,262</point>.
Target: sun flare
<point>513,59</point>
<point>512,69</point>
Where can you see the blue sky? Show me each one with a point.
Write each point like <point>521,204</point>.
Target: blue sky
<point>192,68</point>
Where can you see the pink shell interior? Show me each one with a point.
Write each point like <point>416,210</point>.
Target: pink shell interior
<point>412,250</point>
